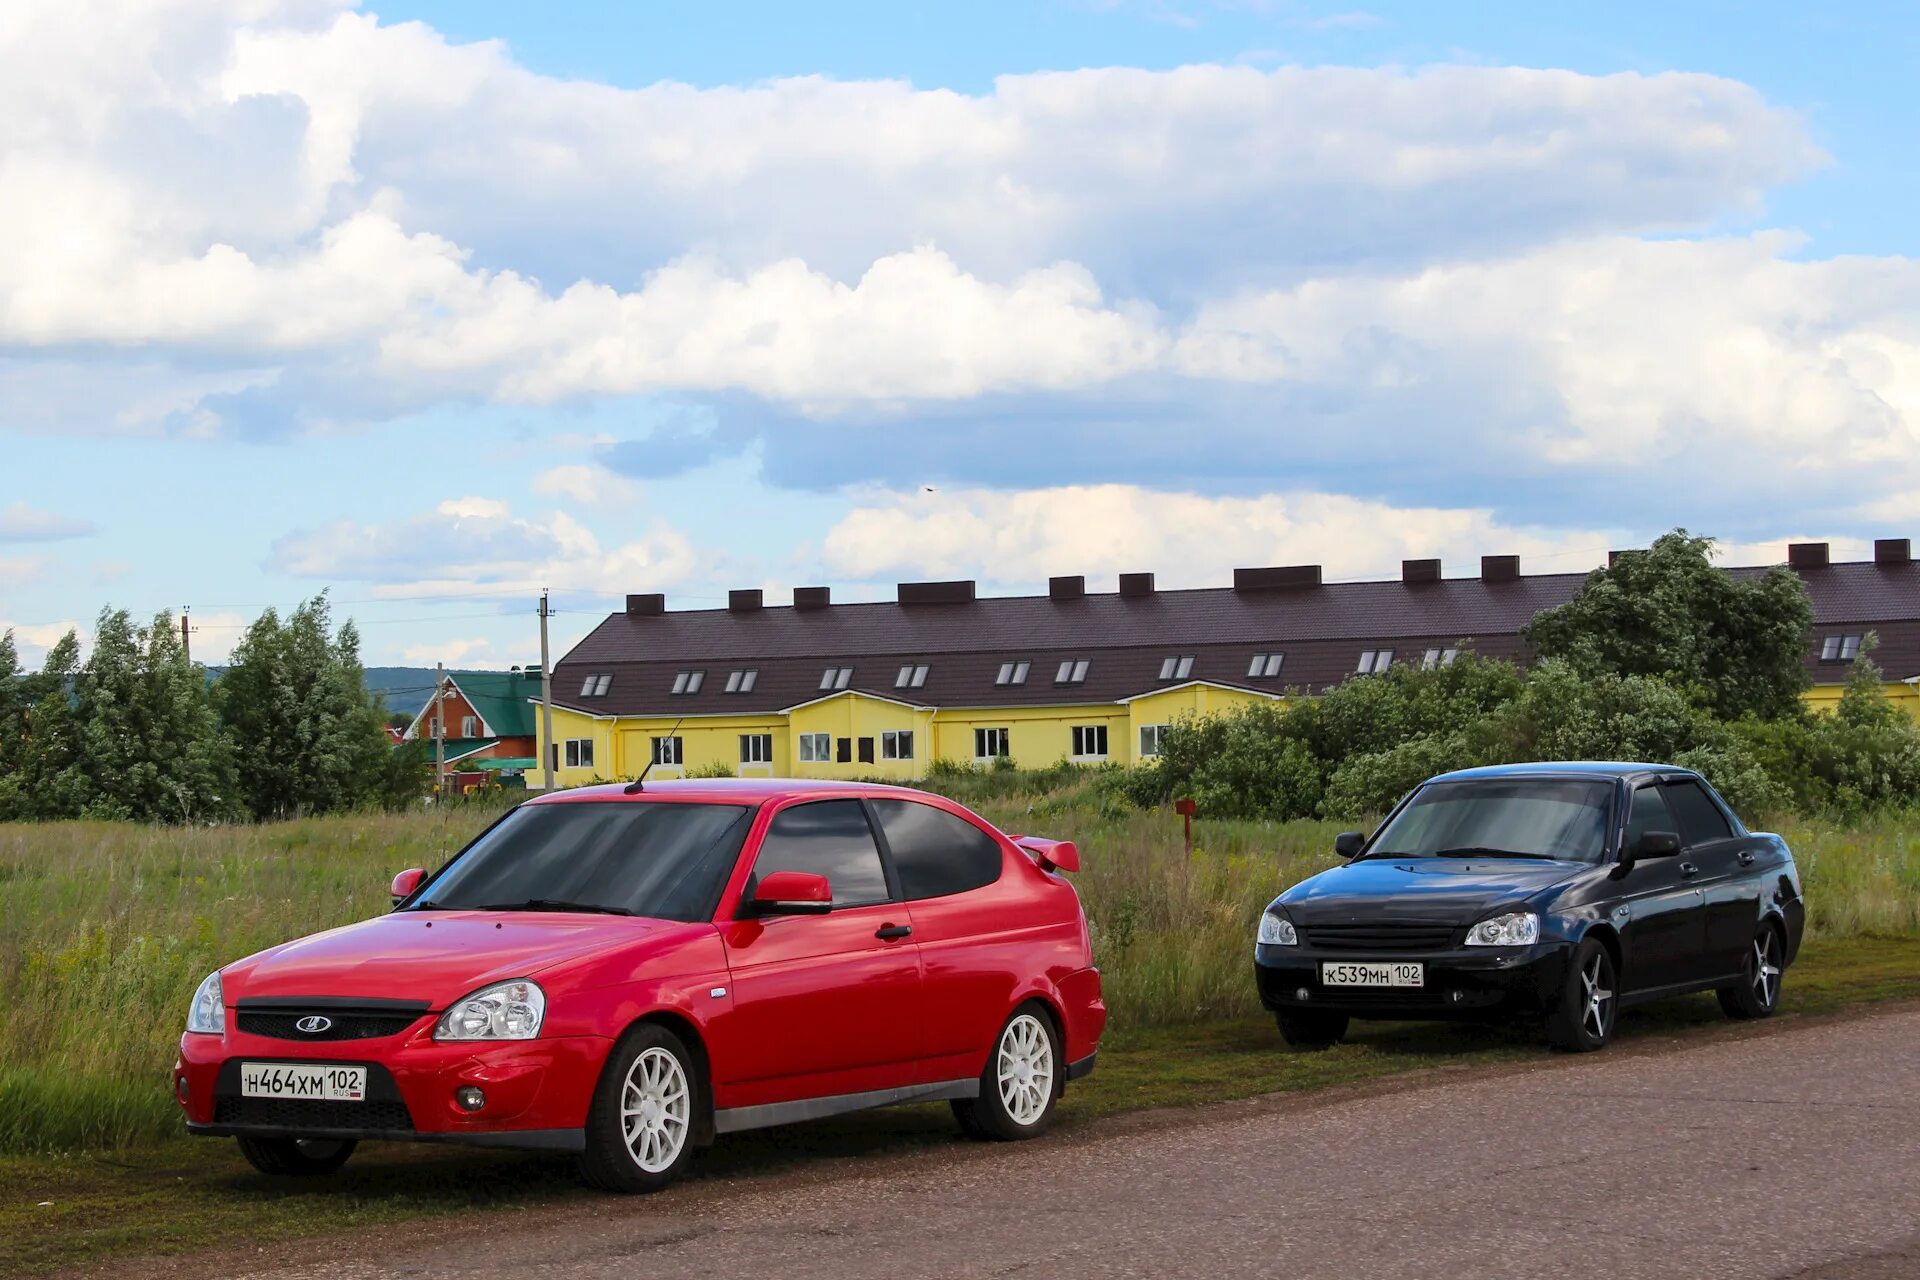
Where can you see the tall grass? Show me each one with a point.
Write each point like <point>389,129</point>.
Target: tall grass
<point>106,928</point>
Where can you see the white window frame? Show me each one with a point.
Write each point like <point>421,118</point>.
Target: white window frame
<point>1088,735</point>
<point>469,726</point>
<point>756,748</point>
<point>1013,673</point>
<point>1152,737</point>
<point>669,750</point>
<point>816,748</point>
<point>985,738</point>
<point>579,753</point>
<point>896,744</point>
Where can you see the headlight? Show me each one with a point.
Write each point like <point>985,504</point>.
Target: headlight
<point>1515,929</point>
<point>504,1011</point>
<point>1277,931</point>
<point>208,1014</point>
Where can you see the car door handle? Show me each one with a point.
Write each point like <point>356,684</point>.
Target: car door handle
<point>1688,869</point>
<point>892,931</point>
<point>1746,857</point>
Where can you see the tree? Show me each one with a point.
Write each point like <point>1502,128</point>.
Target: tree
<point>308,736</point>
<point>1669,612</point>
<point>46,766</point>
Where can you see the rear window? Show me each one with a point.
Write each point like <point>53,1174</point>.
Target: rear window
<point>668,861</point>
<point>935,852</point>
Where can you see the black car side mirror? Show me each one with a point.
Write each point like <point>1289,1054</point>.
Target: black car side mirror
<point>1349,843</point>
<point>1655,844</point>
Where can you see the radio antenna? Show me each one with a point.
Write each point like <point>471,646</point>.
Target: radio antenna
<point>639,784</point>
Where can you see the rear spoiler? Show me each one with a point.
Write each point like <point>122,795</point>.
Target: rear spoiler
<point>1052,855</point>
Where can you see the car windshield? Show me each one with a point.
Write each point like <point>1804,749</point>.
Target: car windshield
<point>1563,818</point>
<point>641,858</point>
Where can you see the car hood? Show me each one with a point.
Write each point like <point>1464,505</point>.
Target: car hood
<point>439,956</point>
<point>1454,890</point>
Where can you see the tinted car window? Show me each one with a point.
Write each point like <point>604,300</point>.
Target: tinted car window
<point>934,852</point>
<point>1649,813</point>
<point>1700,819</point>
<point>828,838</point>
<point>1545,817</point>
<point>669,861</point>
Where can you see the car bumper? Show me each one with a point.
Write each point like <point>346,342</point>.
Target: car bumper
<point>1463,982</point>
<point>536,1091</point>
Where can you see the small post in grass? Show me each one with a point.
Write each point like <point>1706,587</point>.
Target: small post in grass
<point>1185,807</point>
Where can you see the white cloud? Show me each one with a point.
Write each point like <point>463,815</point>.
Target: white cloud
<point>23,571</point>
<point>1186,539</point>
<point>589,486</point>
<point>32,640</point>
<point>20,522</point>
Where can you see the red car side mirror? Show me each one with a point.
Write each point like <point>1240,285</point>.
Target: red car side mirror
<point>406,882</point>
<point>792,893</point>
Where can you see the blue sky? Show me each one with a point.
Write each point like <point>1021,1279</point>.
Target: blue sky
<point>641,297</point>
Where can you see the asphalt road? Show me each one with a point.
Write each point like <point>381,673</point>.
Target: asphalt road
<point>1790,1152</point>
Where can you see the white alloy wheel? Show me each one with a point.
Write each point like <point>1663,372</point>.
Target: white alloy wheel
<point>1024,1069</point>
<point>1766,968</point>
<point>1597,1017</point>
<point>656,1107</point>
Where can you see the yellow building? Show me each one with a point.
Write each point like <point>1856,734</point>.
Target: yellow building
<point>882,689</point>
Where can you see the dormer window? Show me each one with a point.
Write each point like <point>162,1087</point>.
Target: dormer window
<point>1178,667</point>
<point>595,686</point>
<point>1072,671</point>
<point>836,677</point>
<point>1265,666</point>
<point>1012,673</point>
<point>1839,648</point>
<point>1435,658</point>
<point>742,681</point>
<point>1374,661</point>
<point>689,681</point>
<point>912,676</point>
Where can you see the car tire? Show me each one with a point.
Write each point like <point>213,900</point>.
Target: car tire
<point>1583,1017</point>
<point>296,1157</point>
<point>1757,993</point>
<point>1021,1082</point>
<point>645,1112</point>
<point>1310,1028</point>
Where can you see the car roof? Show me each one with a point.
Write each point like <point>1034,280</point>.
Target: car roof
<point>1565,769</point>
<point>728,790</point>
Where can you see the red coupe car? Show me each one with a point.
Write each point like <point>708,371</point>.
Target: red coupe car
<point>625,972</point>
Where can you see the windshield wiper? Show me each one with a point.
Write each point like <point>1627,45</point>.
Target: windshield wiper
<point>1481,851</point>
<point>555,904</point>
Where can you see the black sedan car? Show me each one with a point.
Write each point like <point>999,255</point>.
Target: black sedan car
<point>1563,891</point>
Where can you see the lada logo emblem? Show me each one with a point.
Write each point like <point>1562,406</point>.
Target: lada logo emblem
<point>313,1024</point>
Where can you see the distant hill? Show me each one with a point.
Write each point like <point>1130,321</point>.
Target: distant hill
<point>404,689</point>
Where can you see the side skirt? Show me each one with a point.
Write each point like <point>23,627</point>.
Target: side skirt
<point>734,1119</point>
<point>1649,994</point>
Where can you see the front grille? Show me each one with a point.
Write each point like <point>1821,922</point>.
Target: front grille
<point>344,1024</point>
<point>389,1114</point>
<point>1410,936</point>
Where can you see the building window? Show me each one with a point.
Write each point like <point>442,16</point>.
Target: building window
<point>1089,742</point>
<point>896,744</point>
<point>1374,661</point>
<point>595,686</point>
<point>816,748</point>
<point>689,681</point>
<point>1012,673</point>
<point>1150,739</point>
<point>912,676</point>
<point>990,744</point>
<point>742,681</point>
<point>866,751</point>
<point>756,748</point>
<point>667,750</point>
<point>1177,668</point>
<point>1072,671</point>
<point>1839,648</point>
<point>836,677</point>
<point>1438,658</point>
<point>469,726</point>
<point>579,753</point>
<point>1265,666</point>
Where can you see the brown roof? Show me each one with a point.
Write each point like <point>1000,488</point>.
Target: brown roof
<point>1320,629</point>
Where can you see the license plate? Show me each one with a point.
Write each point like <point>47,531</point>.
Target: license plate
<point>1397,973</point>
<point>303,1080</point>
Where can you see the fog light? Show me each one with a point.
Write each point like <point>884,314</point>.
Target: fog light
<point>470,1097</point>
<point>1302,994</point>
<point>1457,996</point>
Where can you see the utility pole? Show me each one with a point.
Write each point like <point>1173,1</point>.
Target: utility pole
<point>186,634</point>
<point>439,732</point>
<point>546,696</point>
